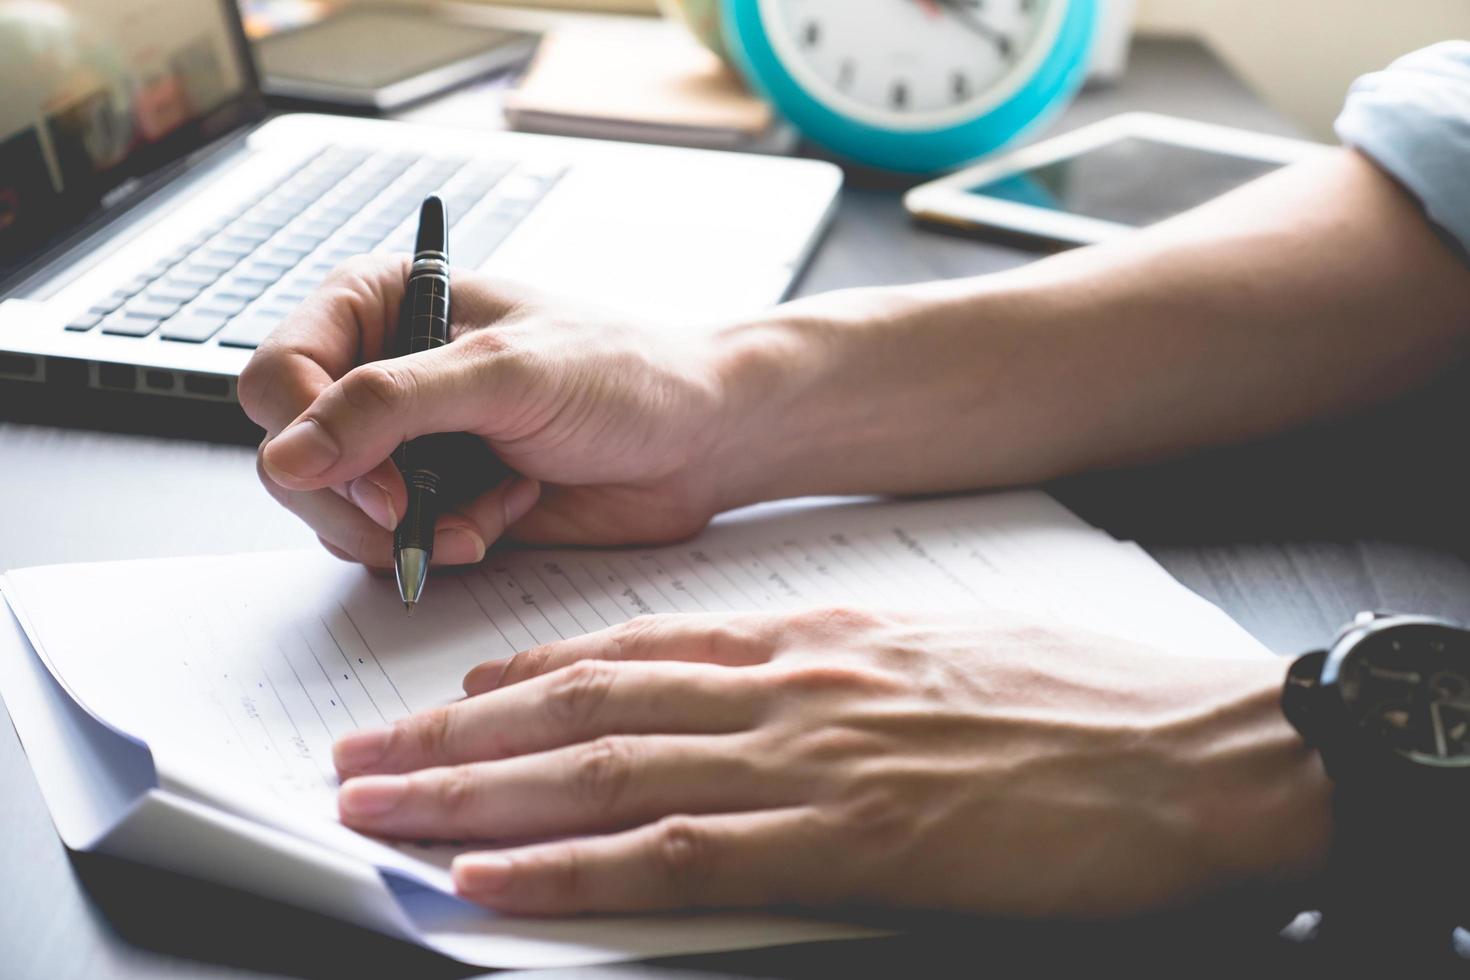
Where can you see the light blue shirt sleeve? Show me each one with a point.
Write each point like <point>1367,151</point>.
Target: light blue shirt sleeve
<point>1413,120</point>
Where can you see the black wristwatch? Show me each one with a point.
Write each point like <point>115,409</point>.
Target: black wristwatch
<point>1388,707</point>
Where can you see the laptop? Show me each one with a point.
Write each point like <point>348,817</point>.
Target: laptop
<point>156,224</point>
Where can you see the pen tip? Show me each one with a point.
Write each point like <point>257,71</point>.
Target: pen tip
<point>409,606</point>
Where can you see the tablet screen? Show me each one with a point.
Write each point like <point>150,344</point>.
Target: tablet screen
<point>1131,181</point>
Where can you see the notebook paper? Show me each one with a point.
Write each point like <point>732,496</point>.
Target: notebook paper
<point>239,672</point>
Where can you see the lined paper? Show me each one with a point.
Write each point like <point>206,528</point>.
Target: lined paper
<point>240,672</point>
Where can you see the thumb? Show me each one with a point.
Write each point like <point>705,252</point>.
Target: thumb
<point>356,422</point>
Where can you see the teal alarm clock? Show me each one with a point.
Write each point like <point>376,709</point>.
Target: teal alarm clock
<point>912,85</point>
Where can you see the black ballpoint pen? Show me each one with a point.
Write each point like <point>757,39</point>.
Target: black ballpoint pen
<point>423,324</point>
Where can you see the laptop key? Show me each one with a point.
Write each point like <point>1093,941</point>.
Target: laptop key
<point>248,331</point>
<point>193,275</point>
<point>172,292</point>
<point>247,273</point>
<point>280,255</point>
<point>135,285</point>
<point>246,241</point>
<point>235,249</point>
<point>124,324</point>
<point>276,307</point>
<point>261,269</point>
<point>256,225</point>
<point>267,223</point>
<point>299,240</point>
<point>223,304</point>
<point>157,309</point>
<point>108,303</point>
<point>245,287</point>
<point>84,322</point>
<point>213,260</point>
<point>192,327</point>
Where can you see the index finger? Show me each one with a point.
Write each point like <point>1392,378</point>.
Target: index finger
<point>724,639</point>
<point>346,321</point>
<point>586,701</point>
<point>349,320</point>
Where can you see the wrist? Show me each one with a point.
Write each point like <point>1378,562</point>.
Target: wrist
<point>817,394</point>
<point>1263,806</point>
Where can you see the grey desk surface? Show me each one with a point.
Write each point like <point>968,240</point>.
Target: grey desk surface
<point>1279,536</point>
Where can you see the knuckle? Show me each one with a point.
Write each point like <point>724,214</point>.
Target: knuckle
<point>484,341</point>
<point>576,692</point>
<point>641,636</point>
<point>728,642</point>
<point>831,621</point>
<point>267,369</point>
<point>375,388</point>
<point>602,773</point>
<point>453,792</point>
<point>527,663</point>
<point>430,734</point>
<point>637,630</point>
<point>250,386</point>
<point>682,854</point>
<point>563,876</point>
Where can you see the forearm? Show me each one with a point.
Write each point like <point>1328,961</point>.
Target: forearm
<point>1311,293</point>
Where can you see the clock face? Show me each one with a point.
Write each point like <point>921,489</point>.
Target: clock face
<point>911,64</point>
<point>1410,687</point>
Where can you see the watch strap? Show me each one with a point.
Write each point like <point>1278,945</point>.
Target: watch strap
<point>1299,696</point>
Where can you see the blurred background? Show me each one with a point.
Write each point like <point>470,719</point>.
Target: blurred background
<point>1299,55</point>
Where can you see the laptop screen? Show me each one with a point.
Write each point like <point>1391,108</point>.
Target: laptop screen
<point>96,94</point>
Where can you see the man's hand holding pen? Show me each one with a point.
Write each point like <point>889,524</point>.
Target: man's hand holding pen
<point>629,442</point>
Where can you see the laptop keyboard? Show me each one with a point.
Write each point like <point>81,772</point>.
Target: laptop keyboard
<point>233,282</point>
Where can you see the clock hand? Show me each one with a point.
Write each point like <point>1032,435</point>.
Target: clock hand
<point>1439,739</point>
<point>962,13</point>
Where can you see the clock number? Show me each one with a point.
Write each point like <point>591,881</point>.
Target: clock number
<point>960,86</point>
<point>899,95</point>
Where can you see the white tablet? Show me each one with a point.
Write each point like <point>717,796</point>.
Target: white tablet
<point>1099,181</point>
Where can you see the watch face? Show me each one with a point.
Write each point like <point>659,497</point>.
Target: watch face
<point>1408,686</point>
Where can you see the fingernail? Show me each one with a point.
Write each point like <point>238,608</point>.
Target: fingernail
<point>303,451</point>
<point>481,873</point>
<point>458,546</point>
<point>520,498</point>
<point>371,796</point>
<point>360,751</point>
<point>374,501</point>
<point>485,677</point>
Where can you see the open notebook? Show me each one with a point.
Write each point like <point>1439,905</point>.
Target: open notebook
<point>180,712</point>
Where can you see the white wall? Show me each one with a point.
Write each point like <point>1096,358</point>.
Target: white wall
<point>1300,55</point>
